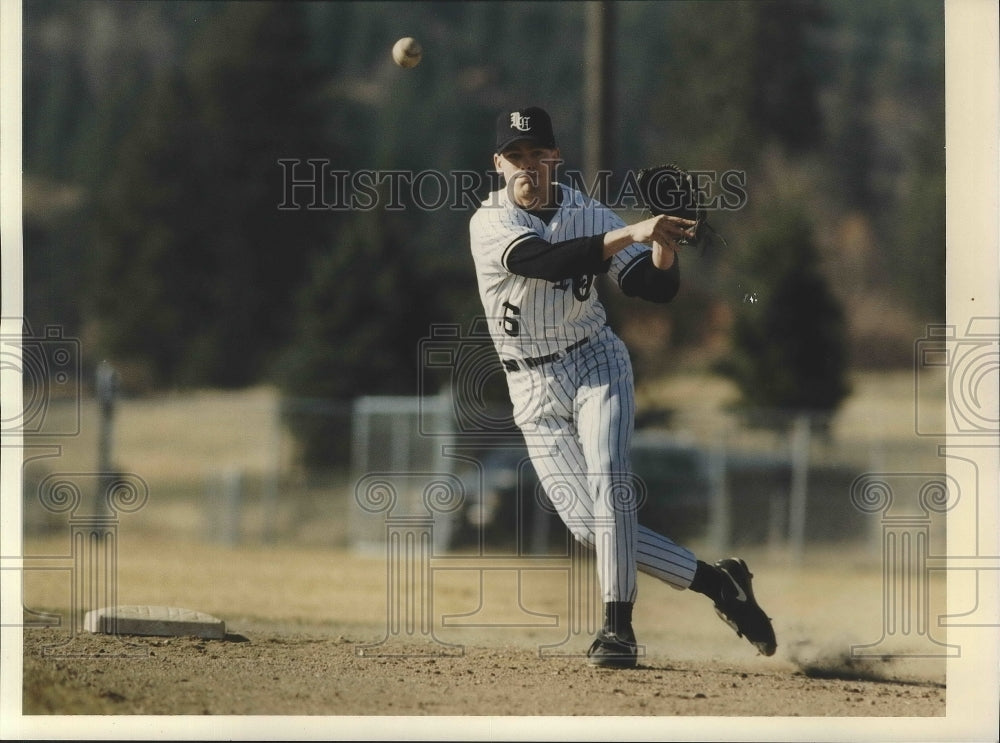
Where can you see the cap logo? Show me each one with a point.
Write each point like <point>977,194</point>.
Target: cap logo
<point>519,122</point>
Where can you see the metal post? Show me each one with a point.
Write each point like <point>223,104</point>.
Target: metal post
<point>800,477</point>
<point>107,396</point>
<point>271,479</point>
<point>599,99</point>
<point>719,526</point>
<point>232,504</point>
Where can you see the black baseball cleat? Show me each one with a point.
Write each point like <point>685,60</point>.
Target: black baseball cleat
<point>738,608</point>
<point>613,650</point>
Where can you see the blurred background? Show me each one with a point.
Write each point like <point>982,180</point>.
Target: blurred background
<point>251,344</point>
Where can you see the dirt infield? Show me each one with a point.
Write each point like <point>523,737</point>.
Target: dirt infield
<point>308,635</point>
<point>319,671</point>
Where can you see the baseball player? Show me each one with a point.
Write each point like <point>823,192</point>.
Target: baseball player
<point>537,246</point>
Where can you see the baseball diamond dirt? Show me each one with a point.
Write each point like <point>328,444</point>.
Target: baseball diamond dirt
<point>303,639</point>
<point>275,670</point>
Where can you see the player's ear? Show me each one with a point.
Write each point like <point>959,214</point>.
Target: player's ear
<point>496,162</point>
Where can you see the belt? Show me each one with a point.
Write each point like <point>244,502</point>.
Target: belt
<point>514,364</point>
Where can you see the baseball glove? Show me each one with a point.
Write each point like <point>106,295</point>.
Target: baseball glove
<point>670,189</point>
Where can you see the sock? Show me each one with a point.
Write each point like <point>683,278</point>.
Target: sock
<point>618,617</point>
<point>707,581</point>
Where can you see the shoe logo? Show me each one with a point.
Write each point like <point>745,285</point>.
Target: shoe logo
<point>740,594</point>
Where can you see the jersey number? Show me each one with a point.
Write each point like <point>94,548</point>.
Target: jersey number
<point>511,319</point>
<point>581,286</point>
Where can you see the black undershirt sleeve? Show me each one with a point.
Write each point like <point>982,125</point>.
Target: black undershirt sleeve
<point>644,280</point>
<point>537,258</point>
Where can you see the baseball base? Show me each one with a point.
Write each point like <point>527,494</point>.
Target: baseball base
<point>162,621</point>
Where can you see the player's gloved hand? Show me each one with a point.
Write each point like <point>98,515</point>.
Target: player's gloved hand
<point>665,234</point>
<point>669,190</point>
<point>665,230</point>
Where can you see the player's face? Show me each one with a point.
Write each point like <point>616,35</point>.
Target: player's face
<point>529,171</point>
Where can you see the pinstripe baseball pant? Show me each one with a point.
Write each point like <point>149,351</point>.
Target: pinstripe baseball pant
<point>577,416</point>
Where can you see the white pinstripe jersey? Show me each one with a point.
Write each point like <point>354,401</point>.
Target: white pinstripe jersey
<point>534,317</point>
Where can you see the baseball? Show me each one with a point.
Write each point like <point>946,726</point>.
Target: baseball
<point>407,52</point>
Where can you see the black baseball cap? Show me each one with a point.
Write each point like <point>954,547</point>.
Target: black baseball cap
<point>531,123</point>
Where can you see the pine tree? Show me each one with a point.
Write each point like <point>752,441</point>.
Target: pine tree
<point>359,322</point>
<point>789,344</point>
<point>197,264</point>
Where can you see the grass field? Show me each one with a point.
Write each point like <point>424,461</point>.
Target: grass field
<point>185,447</point>
<point>182,443</point>
<point>170,436</point>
